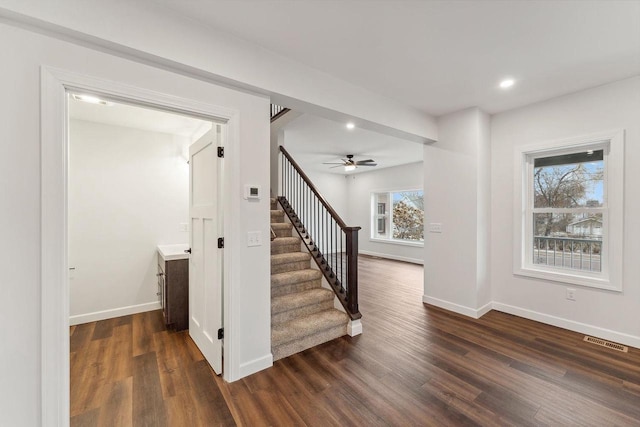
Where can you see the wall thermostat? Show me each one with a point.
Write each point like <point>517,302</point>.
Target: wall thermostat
<point>252,192</point>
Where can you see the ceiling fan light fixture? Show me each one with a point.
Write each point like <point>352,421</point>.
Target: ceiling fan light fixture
<point>349,168</point>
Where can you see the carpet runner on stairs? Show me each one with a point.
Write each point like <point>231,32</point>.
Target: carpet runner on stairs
<point>302,311</point>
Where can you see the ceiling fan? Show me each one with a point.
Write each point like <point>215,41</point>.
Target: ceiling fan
<point>350,164</point>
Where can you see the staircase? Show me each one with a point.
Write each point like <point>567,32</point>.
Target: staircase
<point>302,311</point>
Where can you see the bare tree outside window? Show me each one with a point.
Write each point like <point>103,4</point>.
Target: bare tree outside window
<point>568,198</point>
<point>408,215</point>
<point>405,219</point>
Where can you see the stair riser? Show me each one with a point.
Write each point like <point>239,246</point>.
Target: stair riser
<point>283,232</point>
<point>290,266</point>
<point>277,216</point>
<point>301,311</point>
<point>284,249</point>
<point>289,348</point>
<point>274,206</point>
<point>280,290</point>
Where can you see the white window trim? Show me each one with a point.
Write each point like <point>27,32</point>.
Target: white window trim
<point>373,218</point>
<point>612,245</point>
<point>415,243</point>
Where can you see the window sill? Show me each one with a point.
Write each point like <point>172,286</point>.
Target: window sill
<point>398,242</point>
<point>567,277</point>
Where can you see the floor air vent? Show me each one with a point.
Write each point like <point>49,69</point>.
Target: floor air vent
<point>607,344</point>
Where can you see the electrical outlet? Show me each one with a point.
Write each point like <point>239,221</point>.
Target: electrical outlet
<point>435,227</point>
<point>571,294</point>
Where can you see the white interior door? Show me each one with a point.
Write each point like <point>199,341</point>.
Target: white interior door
<point>205,278</point>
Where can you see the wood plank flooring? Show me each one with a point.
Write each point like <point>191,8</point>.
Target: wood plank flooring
<point>414,365</point>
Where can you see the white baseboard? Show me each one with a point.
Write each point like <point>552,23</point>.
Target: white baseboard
<point>354,328</point>
<point>583,328</point>
<point>457,308</point>
<point>484,309</point>
<point>114,312</point>
<point>255,365</point>
<point>394,257</point>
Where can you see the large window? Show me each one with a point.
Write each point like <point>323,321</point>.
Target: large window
<point>571,211</point>
<point>398,216</point>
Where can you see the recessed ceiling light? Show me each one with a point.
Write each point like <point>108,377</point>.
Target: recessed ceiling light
<point>507,83</point>
<point>90,99</point>
<point>350,125</point>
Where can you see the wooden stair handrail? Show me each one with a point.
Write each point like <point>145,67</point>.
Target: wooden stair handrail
<point>279,114</point>
<point>341,274</point>
<point>313,188</point>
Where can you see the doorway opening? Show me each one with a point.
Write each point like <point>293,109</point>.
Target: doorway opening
<point>134,212</point>
<point>128,193</point>
<point>56,86</point>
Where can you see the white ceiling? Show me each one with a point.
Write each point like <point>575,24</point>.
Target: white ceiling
<point>142,118</point>
<point>312,140</point>
<point>443,56</point>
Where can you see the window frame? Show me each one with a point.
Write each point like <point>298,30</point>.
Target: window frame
<point>388,217</point>
<point>610,276</point>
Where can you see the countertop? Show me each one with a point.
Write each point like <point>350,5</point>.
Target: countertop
<point>173,252</point>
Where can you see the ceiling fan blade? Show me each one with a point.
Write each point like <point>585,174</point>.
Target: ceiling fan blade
<point>333,163</point>
<point>333,167</point>
<point>369,164</point>
<point>360,162</point>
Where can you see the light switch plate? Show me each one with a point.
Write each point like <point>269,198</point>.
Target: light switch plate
<point>254,238</point>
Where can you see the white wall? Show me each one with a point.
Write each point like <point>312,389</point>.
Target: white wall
<point>128,192</point>
<point>333,187</point>
<point>612,315</point>
<point>359,189</point>
<point>20,354</point>
<point>456,188</point>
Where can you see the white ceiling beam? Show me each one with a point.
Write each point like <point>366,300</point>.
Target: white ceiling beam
<point>148,33</point>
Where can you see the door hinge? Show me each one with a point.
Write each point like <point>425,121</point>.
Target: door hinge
<point>220,333</point>
<point>220,242</point>
<point>220,151</point>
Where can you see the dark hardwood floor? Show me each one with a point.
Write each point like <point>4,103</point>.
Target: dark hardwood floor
<point>413,365</point>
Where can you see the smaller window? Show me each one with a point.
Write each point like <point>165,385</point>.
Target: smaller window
<point>398,216</point>
<point>569,211</point>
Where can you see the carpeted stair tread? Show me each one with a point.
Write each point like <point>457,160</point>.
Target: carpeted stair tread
<point>309,341</point>
<point>289,257</point>
<point>302,327</point>
<point>277,216</point>
<point>291,277</point>
<point>281,245</point>
<point>282,229</point>
<point>300,299</point>
<point>282,226</point>
<point>283,241</point>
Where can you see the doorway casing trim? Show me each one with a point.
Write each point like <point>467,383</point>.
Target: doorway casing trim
<point>55,398</point>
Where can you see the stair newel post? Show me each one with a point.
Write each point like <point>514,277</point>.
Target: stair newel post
<point>351,234</point>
